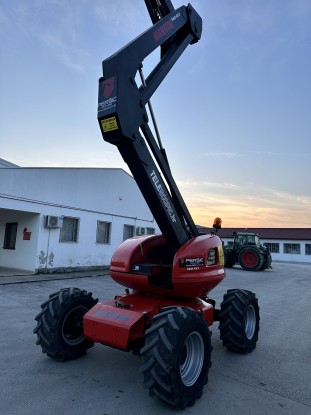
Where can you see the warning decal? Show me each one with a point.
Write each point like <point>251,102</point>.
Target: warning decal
<point>109,124</point>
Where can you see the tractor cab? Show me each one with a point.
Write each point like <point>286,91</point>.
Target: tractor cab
<point>242,239</point>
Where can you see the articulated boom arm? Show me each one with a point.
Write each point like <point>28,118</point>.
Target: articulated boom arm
<point>123,117</point>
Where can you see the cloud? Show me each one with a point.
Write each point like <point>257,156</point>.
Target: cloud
<point>279,153</point>
<point>3,19</point>
<point>120,18</point>
<point>231,155</point>
<point>58,26</point>
<point>67,54</point>
<point>222,155</point>
<point>304,201</point>
<point>63,27</point>
<point>195,185</point>
<point>264,34</point>
<point>247,206</point>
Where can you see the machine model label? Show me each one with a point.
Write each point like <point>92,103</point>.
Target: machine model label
<point>109,124</point>
<point>191,263</point>
<point>107,97</point>
<point>175,17</point>
<point>163,196</point>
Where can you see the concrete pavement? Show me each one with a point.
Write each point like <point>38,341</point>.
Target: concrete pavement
<point>27,277</point>
<point>274,379</point>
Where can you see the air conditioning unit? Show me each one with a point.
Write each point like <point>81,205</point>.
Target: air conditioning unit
<point>140,231</point>
<point>53,221</point>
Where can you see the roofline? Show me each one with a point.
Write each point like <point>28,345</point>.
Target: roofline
<point>293,234</point>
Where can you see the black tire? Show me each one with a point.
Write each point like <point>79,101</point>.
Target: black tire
<point>267,261</point>
<point>177,356</point>
<point>251,259</point>
<point>229,262</point>
<point>60,324</point>
<point>239,321</point>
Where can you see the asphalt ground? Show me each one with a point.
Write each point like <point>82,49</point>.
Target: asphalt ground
<point>274,379</point>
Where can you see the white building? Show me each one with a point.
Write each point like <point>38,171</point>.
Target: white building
<point>284,244</point>
<point>65,219</point>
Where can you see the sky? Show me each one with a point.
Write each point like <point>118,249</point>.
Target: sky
<point>234,113</point>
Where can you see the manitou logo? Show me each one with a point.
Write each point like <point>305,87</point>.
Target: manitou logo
<point>163,30</point>
<point>108,87</point>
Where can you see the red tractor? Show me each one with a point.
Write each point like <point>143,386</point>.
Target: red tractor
<point>165,312</point>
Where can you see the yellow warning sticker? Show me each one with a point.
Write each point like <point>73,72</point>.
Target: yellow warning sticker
<point>109,124</point>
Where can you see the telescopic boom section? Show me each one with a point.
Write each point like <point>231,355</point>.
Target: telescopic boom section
<point>159,9</point>
<point>123,117</point>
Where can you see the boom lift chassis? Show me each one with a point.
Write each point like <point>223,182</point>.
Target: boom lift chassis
<point>166,311</point>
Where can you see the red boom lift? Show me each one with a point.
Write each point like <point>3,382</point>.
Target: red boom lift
<point>166,311</point>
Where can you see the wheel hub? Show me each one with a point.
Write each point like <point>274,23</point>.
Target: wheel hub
<point>192,359</point>
<point>250,259</point>
<point>250,323</point>
<point>72,329</point>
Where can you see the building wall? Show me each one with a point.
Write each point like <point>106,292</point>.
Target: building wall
<point>100,190</point>
<point>27,195</point>
<point>24,254</point>
<point>6,164</point>
<point>295,256</point>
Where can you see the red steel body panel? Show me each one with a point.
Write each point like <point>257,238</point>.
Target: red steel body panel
<point>112,326</point>
<point>187,281</point>
<point>198,280</point>
<point>134,249</point>
<point>120,327</point>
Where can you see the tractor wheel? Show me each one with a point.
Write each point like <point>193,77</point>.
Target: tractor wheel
<point>251,259</point>
<point>267,261</point>
<point>239,321</point>
<point>229,262</point>
<point>60,324</point>
<point>177,356</point>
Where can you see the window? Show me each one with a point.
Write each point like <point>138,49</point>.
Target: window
<point>10,235</point>
<point>128,232</point>
<point>150,231</point>
<point>229,243</point>
<point>291,249</point>
<point>69,230</point>
<point>103,232</point>
<point>273,247</point>
<point>308,249</point>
